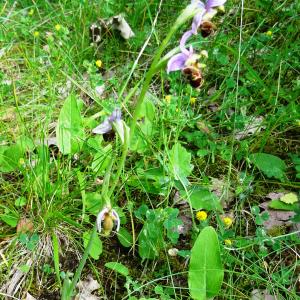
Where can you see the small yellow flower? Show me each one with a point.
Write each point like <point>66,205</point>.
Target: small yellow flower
<point>168,98</point>
<point>21,161</point>
<point>228,242</point>
<point>36,34</point>
<point>31,12</point>
<point>99,63</point>
<point>227,221</point>
<point>201,215</point>
<point>57,27</point>
<point>193,100</point>
<point>269,33</point>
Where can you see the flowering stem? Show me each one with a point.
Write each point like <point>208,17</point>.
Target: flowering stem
<point>187,14</point>
<point>82,263</point>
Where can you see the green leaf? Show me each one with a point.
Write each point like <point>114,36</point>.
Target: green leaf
<point>21,201</point>
<point>10,157</point>
<point>118,267</point>
<point>125,237</point>
<point>96,248</point>
<point>69,131</point>
<point>289,198</point>
<point>101,160</point>
<point>205,271</point>
<point>93,202</point>
<point>10,218</point>
<point>180,163</point>
<point>270,165</point>
<point>202,198</point>
<point>277,204</point>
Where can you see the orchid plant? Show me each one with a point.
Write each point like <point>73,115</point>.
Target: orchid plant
<point>186,61</point>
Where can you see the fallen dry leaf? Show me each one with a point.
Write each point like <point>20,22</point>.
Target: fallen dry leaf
<point>86,288</point>
<point>253,126</point>
<point>24,225</point>
<point>277,218</point>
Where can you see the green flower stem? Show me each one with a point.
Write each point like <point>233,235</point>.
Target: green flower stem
<point>187,14</point>
<point>82,263</point>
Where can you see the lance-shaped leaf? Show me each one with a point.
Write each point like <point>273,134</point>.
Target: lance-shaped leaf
<point>69,131</point>
<point>205,271</point>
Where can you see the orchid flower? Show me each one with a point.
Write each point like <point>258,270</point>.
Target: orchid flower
<point>183,59</point>
<point>106,125</point>
<point>113,121</point>
<point>107,219</point>
<point>207,13</point>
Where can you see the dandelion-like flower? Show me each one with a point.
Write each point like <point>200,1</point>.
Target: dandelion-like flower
<point>207,13</point>
<point>107,220</point>
<point>57,27</point>
<point>228,242</point>
<point>227,221</point>
<point>36,34</point>
<point>201,215</point>
<point>98,63</point>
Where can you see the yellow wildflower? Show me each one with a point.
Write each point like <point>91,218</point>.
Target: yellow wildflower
<point>168,98</point>
<point>227,221</point>
<point>193,100</point>
<point>269,33</point>
<point>36,34</point>
<point>99,63</point>
<point>228,242</point>
<point>31,12</point>
<point>201,215</point>
<point>57,27</point>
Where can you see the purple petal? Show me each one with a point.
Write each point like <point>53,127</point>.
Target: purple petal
<point>214,3</point>
<point>177,62</point>
<point>197,21</point>
<point>104,127</point>
<point>116,115</point>
<point>183,40</point>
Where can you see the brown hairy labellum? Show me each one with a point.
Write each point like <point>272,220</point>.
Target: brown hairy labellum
<point>194,76</point>
<point>207,28</point>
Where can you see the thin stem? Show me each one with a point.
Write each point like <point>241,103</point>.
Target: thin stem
<point>187,14</point>
<point>82,262</point>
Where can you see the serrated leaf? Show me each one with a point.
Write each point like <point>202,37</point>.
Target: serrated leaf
<point>270,165</point>
<point>289,198</point>
<point>69,131</point>
<point>118,267</point>
<point>205,270</point>
<point>96,248</point>
<point>180,163</point>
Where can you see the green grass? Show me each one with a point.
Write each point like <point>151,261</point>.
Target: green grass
<point>252,75</point>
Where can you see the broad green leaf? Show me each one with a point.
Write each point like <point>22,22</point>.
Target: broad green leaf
<point>202,198</point>
<point>277,204</point>
<point>10,218</point>
<point>101,160</point>
<point>205,271</point>
<point>10,157</point>
<point>93,202</point>
<point>69,131</point>
<point>270,165</point>
<point>180,163</point>
<point>125,237</point>
<point>289,198</point>
<point>21,201</point>
<point>96,248</point>
<point>118,267</point>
